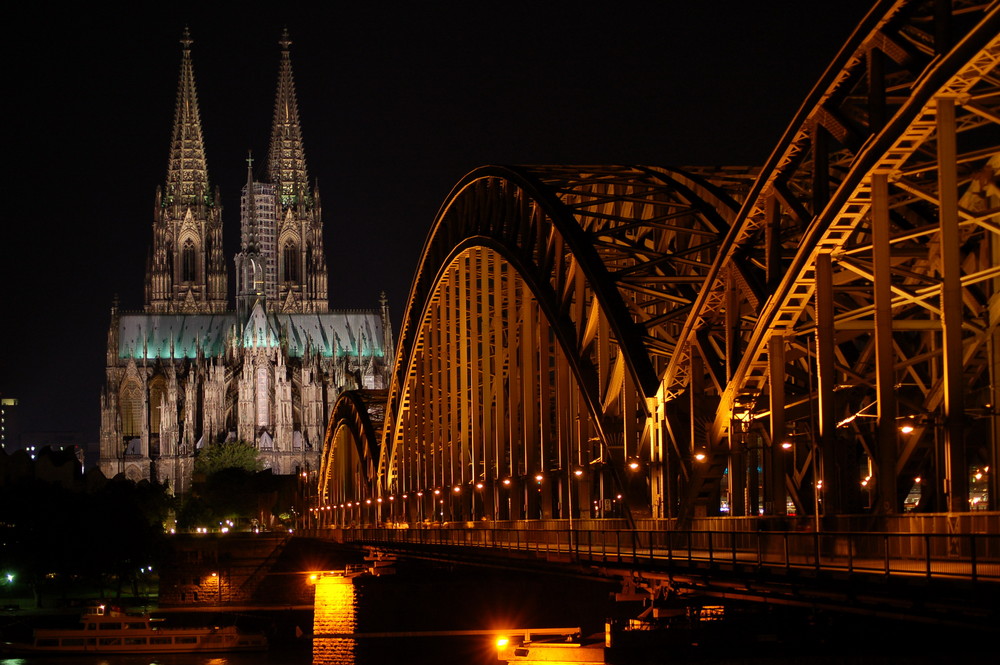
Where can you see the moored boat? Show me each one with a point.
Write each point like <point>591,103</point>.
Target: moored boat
<point>108,630</point>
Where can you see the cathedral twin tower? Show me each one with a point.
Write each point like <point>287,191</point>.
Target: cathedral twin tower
<point>189,372</point>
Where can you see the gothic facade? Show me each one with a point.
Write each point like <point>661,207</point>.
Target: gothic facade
<point>189,371</point>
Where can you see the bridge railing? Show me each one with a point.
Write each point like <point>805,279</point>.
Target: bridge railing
<point>966,556</point>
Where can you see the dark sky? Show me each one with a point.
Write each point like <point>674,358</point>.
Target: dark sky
<point>398,101</point>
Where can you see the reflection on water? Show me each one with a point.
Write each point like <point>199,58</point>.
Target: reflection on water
<point>335,612</point>
<point>150,659</point>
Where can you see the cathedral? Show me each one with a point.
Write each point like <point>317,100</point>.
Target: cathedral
<point>189,371</point>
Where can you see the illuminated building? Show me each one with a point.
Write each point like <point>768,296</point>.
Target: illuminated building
<point>189,372</point>
<point>8,423</point>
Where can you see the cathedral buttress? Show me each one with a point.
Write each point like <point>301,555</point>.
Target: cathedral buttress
<point>187,269</point>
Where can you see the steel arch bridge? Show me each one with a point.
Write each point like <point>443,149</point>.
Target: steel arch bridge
<point>635,342</point>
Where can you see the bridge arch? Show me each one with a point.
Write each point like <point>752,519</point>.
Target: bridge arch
<point>532,341</point>
<point>857,290</point>
<point>346,488</point>
<point>749,338</point>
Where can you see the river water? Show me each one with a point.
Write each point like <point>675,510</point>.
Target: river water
<point>438,599</point>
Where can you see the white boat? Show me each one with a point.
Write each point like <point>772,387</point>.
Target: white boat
<point>557,647</point>
<point>108,630</point>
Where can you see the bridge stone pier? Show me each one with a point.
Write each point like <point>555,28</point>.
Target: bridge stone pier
<point>809,347</point>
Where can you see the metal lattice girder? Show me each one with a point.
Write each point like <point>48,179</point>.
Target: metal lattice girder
<point>876,113</point>
<point>350,448</point>
<point>585,273</point>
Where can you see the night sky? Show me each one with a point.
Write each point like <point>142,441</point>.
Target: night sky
<point>398,101</point>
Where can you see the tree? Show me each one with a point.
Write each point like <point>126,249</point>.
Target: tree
<point>229,455</point>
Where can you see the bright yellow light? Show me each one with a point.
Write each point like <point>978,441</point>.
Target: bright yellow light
<point>502,641</point>
<point>456,489</point>
<point>578,472</point>
<point>479,486</point>
<point>633,465</point>
<point>538,477</point>
<point>786,445</point>
<point>437,491</point>
<point>313,578</point>
<point>506,481</point>
<point>700,457</point>
<point>906,429</point>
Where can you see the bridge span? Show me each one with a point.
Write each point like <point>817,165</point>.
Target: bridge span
<point>609,362</point>
<point>945,579</point>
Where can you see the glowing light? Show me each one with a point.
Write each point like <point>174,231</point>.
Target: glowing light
<point>700,457</point>
<point>379,499</point>
<point>577,472</point>
<point>456,489</point>
<point>368,501</point>
<point>479,486</point>
<point>786,444</point>
<point>436,491</point>
<point>506,482</point>
<point>917,479</point>
<point>502,641</point>
<point>906,429</point>
<point>633,465</point>
<point>538,477</point>
<point>978,476</point>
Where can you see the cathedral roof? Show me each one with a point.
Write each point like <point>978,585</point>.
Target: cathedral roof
<point>152,336</point>
<point>345,333</point>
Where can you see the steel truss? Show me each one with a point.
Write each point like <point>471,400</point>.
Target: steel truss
<point>699,339</point>
<point>861,272</point>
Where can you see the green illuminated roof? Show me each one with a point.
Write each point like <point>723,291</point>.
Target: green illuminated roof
<point>330,334</point>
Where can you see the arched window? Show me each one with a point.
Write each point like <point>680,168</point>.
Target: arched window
<point>263,397</point>
<point>157,394</point>
<point>187,262</point>
<point>130,408</point>
<point>290,261</point>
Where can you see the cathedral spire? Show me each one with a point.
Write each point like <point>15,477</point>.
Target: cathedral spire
<point>287,158</point>
<point>187,270</point>
<point>249,224</point>
<point>187,170</point>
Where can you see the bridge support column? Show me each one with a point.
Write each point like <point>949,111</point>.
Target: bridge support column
<point>774,473</point>
<point>888,442</point>
<point>834,477</point>
<point>956,464</point>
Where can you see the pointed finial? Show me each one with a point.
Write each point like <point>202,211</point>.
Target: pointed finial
<point>186,40</point>
<point>285,41</point>
<point>249,166</point>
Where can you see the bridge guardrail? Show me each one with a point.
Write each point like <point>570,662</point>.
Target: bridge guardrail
<point>974,557</point>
